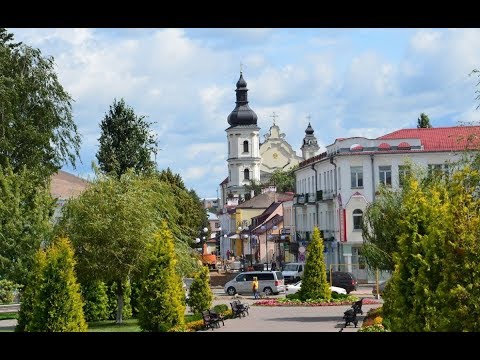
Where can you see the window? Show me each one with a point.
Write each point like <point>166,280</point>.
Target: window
<point>240,277</point>
<point>229,175</point>
<point>249,277</point>
<point>385,175</point>
<point>246,174</point>
<point>357,219</point>
<point>245,146</point>
<point>403,172</point>
<point>265,276</point>
<point>356,176</point>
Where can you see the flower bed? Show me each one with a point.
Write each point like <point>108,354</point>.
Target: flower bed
<point>312,302</point>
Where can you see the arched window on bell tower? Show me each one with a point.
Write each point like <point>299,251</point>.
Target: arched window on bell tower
<point>245,146</point>
<point>246,174</point>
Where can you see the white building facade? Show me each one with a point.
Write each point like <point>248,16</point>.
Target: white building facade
<point>333,189</point>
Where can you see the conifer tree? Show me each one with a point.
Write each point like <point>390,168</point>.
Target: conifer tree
<point>56,304</point>
<point>314,283</point>
<point>161,303</point>
<point>200,296</point>
<point>96,301</point>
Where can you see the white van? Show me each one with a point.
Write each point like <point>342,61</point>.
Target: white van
<point>293,272</point>
<point>269,282</point>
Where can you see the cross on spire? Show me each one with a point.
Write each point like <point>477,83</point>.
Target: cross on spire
<point>241,67</point>
<point>309,118</point>
<point>274,116</point>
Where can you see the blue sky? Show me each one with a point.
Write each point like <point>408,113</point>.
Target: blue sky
<point>352,82</point>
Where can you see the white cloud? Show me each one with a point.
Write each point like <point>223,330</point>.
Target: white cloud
<point>210,150</point>
<point>184,81</point>
<point>426,41</point>
<point>193,173</point>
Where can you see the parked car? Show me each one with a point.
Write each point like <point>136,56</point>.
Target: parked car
<point>344,280</point>
<point>381,287</point>
<point>293,272</point>
<point>269,282</point>
<point>293,288</point>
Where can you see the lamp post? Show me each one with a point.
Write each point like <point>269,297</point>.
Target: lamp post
<point>263,228</point>
<point>282,256</point>
<point>205,231</point>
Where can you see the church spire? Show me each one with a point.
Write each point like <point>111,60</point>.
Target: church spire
<point>242,114</point>
<point>310,145</point>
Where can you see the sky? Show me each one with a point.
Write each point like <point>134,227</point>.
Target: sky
<point>348,82</point>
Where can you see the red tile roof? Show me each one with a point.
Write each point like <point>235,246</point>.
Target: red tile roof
<point>65,185</point>
<point>384,146</point>
<point>452,138</point>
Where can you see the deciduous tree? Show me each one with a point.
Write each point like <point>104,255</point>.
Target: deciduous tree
<point>126,141</point>
<point>36,124</point>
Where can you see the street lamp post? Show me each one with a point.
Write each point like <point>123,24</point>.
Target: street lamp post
<point>269,236</point>
<point>263,228</point>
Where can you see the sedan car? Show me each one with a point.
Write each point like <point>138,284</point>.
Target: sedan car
<point>293,288</point>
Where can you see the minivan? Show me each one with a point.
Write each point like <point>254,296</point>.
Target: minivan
<point>344,280</point>
<point>293,272</point>
<point>270,282</point>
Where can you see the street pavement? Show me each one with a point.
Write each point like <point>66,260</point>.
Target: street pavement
<point>291,318</point>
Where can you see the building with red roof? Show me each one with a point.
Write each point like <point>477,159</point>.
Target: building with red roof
<point>334,188</point>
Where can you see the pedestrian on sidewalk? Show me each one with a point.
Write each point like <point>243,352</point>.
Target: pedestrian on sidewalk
<point>255,288</point>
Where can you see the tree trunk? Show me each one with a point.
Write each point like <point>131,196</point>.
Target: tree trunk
<point>119,302</point>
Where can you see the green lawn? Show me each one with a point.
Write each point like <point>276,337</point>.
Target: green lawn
<point>129,325</point>
<point>8,315</point>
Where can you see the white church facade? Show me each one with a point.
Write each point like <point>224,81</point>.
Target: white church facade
<point>251,160</point>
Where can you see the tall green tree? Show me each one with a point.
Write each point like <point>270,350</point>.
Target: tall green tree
<point>126,141</point>
<point>314,282</point>
<point>110,224</point>
<point>161,303</point>
<point>56,304</point>
<point>112,221</point>
<point>435,283</point>
<point>284,180</point>
<point>25,211</point>
<point>187,203</point>
<point>200,295</point>
<point>36,124</point>
<point>423,121</point>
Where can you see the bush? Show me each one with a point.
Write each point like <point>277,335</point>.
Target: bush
<point>161,304</point>
<point>314,283</point>
<point>200,295</point>
<point>220,308</point>
<point>373,328</point>
<point>7,291</point>
<point>52,299</point>
<point>96,301</point>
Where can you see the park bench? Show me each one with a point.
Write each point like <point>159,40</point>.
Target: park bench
<point>209,321</point>
<point>217,317</point>
<point>239,309</point>
<point>357,306</point>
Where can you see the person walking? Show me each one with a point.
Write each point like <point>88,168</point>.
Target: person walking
<point>255,288</point>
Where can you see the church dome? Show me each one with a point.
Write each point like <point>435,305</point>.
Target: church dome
<point>242,114</point>
<point>241,83</point>
<point>309,130</point>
